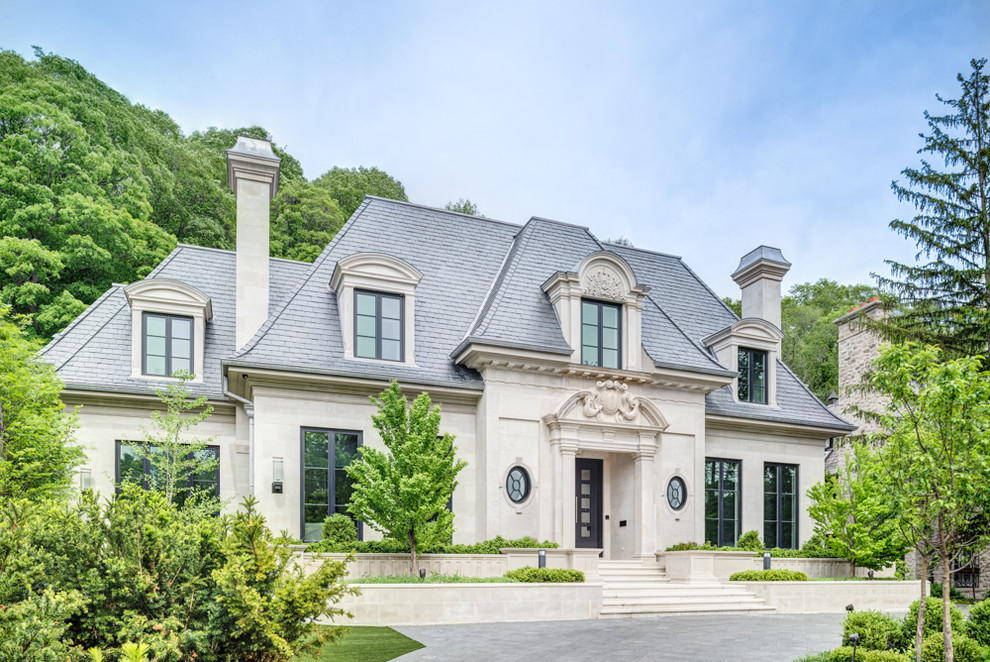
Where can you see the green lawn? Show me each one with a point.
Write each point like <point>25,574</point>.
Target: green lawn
<point>367,644</point>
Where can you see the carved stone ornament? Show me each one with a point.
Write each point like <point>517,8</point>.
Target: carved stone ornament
<point>604,284</point>
<point>610,399</point>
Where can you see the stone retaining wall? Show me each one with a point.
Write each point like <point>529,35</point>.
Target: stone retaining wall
<point>832,597</point>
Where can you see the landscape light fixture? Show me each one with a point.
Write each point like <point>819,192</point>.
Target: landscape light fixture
<point>766,560</point>
<point>422,574</point>
<point>849,608</point>
<point>854,640</point>
<point>278,475</point>
<point>543,558</point>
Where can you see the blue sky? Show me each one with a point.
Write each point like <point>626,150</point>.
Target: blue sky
<point>699,129</point>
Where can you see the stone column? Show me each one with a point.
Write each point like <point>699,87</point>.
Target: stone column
<point>569,515</point>
<point>645,542</point>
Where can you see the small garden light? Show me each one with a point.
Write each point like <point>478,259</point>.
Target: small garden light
<point>542,558</point>
<point>422,574</point>
<point>849,608</point>
<point>854,640</point>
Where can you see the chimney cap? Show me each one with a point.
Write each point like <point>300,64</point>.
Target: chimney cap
<point>761,261</point>
<point>253,159</point>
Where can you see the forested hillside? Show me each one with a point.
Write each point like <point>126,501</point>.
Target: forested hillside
<point>96,190</point>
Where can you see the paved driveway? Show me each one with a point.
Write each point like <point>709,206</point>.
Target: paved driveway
<point>684,638</point>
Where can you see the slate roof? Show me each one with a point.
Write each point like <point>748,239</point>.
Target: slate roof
<point>481,282</point>
<point>94,352</point>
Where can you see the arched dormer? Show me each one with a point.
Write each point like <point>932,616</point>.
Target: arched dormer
<point>168,327</point>
<point>376,301</point>
<point>600,308</point>
<point>742,347</point>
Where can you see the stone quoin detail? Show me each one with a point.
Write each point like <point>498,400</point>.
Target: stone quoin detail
<point>605,285</point>
<point>610,399</point>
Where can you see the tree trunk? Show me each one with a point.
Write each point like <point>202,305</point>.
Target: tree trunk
<point>412,554</point>
<point>920,632</point>
<point>946,608</point>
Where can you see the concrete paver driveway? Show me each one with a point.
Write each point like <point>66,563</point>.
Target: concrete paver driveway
<point>684,638</point>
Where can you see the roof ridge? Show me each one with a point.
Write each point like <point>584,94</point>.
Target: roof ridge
<point>168,258</point>
<point>483,308</point>
<point>556,222</point>
<point>809,392</point>
<point>701,349</point>
<point>214,249</point>
<point>417,205</point>
<point>498,293</point>
<point>710,290</point>
<point>643,250</point>
<point>321,258</point>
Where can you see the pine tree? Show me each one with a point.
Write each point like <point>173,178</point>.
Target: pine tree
<point>948,297</point>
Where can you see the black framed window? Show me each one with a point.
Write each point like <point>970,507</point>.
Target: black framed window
<point>780,505</point>
<point>135,465</point>
<point>326,486</point>
<point>378,326</point>
<point>723,505</point>
<point>168,344</point>
<point>601,334</point>
<point>676,493</point>
<point>752,375</point>
<point>518,484</point>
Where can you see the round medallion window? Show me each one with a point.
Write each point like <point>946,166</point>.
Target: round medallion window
<point>676,492</point>
<point>517,484</point>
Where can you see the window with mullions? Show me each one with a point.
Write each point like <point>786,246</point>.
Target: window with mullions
<point>327,488</point>
<point>168,344</point>
<point>752,376</point>
<point>378,326</point>
<point>600,334</point>
<point>135,465</point>
<point>780,506</point>
<point>723,507</point>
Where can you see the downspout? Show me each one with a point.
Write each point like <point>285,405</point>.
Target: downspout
<point>249,410</point>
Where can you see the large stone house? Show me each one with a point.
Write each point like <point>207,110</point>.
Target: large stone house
<point>602,395</point>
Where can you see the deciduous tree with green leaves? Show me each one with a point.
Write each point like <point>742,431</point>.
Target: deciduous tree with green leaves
<point>172,453</point>
<point>854,519</point>
<point>37,451</point>
<point>936,453</point>
<point>948,295</point>
<point>403,492</point>
<point>463,206</point>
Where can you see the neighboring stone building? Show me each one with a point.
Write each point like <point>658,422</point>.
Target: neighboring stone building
<point>602,395</point>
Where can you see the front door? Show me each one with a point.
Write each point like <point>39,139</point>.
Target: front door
<point>588,485</point>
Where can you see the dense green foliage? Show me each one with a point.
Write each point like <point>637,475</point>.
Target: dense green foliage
<point>876,630</point>
<point>37,453</point>
<point>769,576</point>
<point>545,575</point>
<point>933,620</point>
<point>845,654</point>
<point>964,649</point>
<point>948,296</point>
<point>750,541</point>
<point>185,582</point>
<point>491,546</point>
<point>404,492</point>
<point>96,190</point>
<point>463,206</point>
<point>978,623</point>
<point>339,529</point>
<point>852,517</point>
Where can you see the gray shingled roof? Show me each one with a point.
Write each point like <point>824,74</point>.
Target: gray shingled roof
<point>481,282</point>
<point>94,352</point>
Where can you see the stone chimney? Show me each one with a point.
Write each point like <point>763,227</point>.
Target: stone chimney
<point>758,275</point>
<point>859,345</point>
<point>252,173</point>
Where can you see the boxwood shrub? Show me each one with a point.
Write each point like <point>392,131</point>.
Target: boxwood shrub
<point>978,625</point>
<point>769,576</point>
<point>845,654</point>
<point>876,630</point>
<point>545,575</point>
<point>933,620</point>
<point>964,649</point>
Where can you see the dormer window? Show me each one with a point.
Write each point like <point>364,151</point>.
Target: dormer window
<point>378,326</point>
<point>752,382</point>
<point>168,327</point>
<point>601,334</point>
<point>168,344</point>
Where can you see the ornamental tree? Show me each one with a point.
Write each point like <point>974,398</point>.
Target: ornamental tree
<point>851,514</point>
<point>403,492</point>
<point>936,456</point>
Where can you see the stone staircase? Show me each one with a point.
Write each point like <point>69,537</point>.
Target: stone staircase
<point>633,589</point>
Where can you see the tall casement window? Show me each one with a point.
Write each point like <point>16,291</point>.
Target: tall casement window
<point>378,326</point>
<point>752,375</point>
<point>780,506</point>
<point>168,344</point>
<point>132,465</point>
<point>723,507</point>
<point>600,334</point>
<point>326,486</point>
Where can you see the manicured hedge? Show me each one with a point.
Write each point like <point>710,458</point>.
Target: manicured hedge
<point>545,575</point>
<point>394,547</point>
<point>845,654</point>
<point>876,630</point>
<point>769,576</point>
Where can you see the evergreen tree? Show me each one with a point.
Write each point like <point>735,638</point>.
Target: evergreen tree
<point>948,297</point>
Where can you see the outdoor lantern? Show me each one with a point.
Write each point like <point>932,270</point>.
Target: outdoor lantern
<point>85,478</point>
<point>766,560</point>
<point>278,475</point>
<point>543,558</point>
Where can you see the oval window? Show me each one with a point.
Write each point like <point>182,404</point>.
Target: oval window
<point>517,484</point>
<point>676,492</point>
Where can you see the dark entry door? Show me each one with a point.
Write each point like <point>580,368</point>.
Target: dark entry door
<point>588,486</point>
